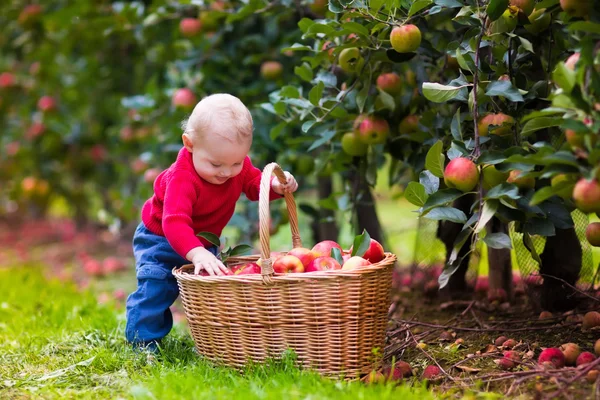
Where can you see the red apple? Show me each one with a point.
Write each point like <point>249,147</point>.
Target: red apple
<point>374,253</point>
<point>36,129</point>
<point>586,195</point>
<point>246,269</point>
<point>390,83</point>
<point>271,70</point>
<point>462,174</point>
<point>7,80</point>
<point>501,124</point>
<point>184,98</point>
<point>592,234</point>
<point>29,14</point>
<point>323,249</point>
<point>552,357</point>
<point>409,124</point>
<point>46,104</point>
<point>98,153</point>
<point>355,262</point>
<point>305,255</point>
<point>526,6</point>
<point>521,182</point>
<point>288,264</point>
<point>405,38</point>
<point>190,27</point>
<point>431,372</point>
<point>373,130</point>
<point>585,358</point>
<point>324,263</point>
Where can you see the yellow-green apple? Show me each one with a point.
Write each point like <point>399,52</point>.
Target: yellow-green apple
<point>373,130</point>
<point>592,234</point>
<point>209,20</point>
<point>323,249</point>
<point>507,21</point>
<point>246,269</point>
<point>567,190</point>
<point>151,174</point>
<point>577,8</point>
<point>390,83</point>
<point>271,70</point>
<point>539,21</point>
<point>184,98</point>
<point>352,145</point>
<point>355,262</point>
<point>305,255</point>
<point>409,124</point>
<point>497,124</point>
<point>492,177</point>
<point>405,38</point>
<point>462,174</point>
<point>46,104</point>
<point>29,14</point>
<point>571,351</point>
<point>7,80</point>
<point>374,252</point>
<point>521,182</point>
<point>351,61</point>
<point>524,5</point>
<point>586,195</point>
<point>572,61</point>
<point>324,263</point>
<point>190,27</point>
<point>287,264</point>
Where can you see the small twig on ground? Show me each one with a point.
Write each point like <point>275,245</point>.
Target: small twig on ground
<point>431,358</point>
<point>468,308</point>
<point>477,320</point>
<point>491,329</point>
<point>571,286</point>
<point>584,371</point>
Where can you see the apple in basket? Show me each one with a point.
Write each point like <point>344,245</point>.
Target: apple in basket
<point>287,264</point>
<point>323,264</point>
<point>323,249</point>
<point>274,256</point>
<point>305,255</point>
<point>355,262</point>
<point>374,253</point>
<point>246,269</point>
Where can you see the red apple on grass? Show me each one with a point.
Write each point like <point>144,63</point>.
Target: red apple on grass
<point>305,255</point>
<point>585,358</point>
<point>354,263</point>
<point>288,264</point>
<point>552,358</point>
<point>571,351</point>
<point>462,174</point>
<point>323,249</point>
<point>586,195</point>
<point>324,263</point>
<point>405,38</point>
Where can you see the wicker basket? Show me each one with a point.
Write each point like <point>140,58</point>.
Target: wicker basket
<point>335,321</point>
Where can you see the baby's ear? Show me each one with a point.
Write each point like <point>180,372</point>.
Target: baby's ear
<point>187,142</point>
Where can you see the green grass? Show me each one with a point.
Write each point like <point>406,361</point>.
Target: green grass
<point>56,343</point>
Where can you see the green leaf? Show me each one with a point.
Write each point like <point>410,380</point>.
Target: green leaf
<point>498,240</point>
<point>335,6</point>
<point>503,89</point>
<point>296,47</point>
<point>415,193</point>
<point>585,26</point>
<point>455,127</point>
<point>357,28</point>
<point>337,255</point>
<point>418,5</point>
<point>564,77</point>
<point>539,226</point>
<point>305,24</point>
<point>444,277</point>
<point>543,194</point>
<point>276,130</point>
<point>361,97</point>
<point>434,161</point>
<point>447,214</point>
<point>528,242</point>
<point>289,92</point>
<point>429,181</point>
<point>304,72</point>
<point>361,244</point>
<point>376,5</point>
<point>546,4</point>
<point>307,125</point>
<point>495,8</point>
<point>465,61</point>
<point>315,93</point>
<point>440,93</point>
<point>442,197</point>
<point>540,123</point>
<point>387,100</point>
<point>449,3</point>
<point>489,210</point>
<point>325,137</point>
<point>210,237</point>
<point>240,250</point>
<point>526,44</point>
<point>505,190</point>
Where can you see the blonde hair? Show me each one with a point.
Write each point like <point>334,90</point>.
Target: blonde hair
<point>224,109</point>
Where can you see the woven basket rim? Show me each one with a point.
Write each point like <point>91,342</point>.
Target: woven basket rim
<point>180,273</point>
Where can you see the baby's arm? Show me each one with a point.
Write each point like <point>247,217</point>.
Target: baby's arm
<point>180,197</point>
<point>252,176</point>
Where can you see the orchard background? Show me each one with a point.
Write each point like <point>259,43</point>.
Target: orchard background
<point>475,122</point>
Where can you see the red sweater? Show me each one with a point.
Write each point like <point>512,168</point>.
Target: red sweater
<point>184,204</point>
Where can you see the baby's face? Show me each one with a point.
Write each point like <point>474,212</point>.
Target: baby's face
<point>218,159</point>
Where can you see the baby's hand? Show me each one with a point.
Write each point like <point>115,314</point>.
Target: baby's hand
<point>291,186</point>
<point>205,260</point>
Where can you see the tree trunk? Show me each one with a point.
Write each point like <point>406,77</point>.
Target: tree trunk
<point>561,259</point>
<point>324,226</point>
<point>366,214</point>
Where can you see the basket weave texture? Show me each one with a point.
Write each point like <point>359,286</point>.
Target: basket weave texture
<point>335,321</point>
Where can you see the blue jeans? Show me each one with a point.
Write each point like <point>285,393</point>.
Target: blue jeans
<point>149,318</point>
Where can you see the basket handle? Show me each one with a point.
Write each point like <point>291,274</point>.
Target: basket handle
<point>264,216</point>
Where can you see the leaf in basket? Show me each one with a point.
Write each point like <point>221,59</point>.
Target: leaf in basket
<point>337,255</point>
<point>210,237</point>
<point>240,249</point>
<point>361,244</point>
